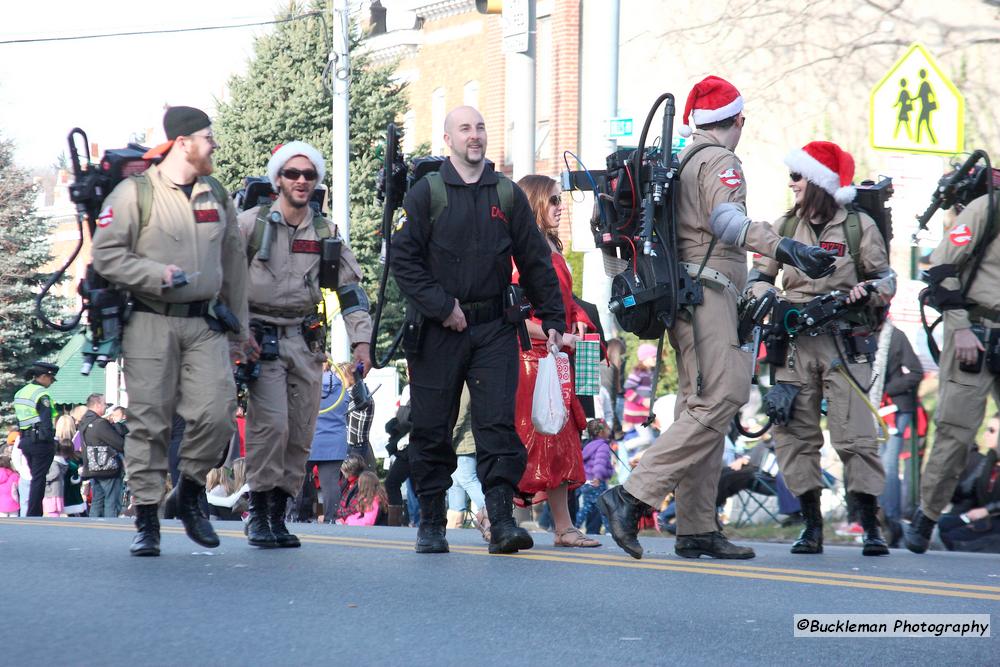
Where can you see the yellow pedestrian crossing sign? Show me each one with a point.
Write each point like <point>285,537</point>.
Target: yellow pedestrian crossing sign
<point>915,108</point>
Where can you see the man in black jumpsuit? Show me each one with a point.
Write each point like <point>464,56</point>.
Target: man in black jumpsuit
<point>454,271</point>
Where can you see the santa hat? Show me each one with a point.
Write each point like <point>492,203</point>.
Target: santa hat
<point>826,165</point>
<point>282,153</point>
<point>712,99</point>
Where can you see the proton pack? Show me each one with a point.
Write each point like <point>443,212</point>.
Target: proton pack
<point>958,189</point>
<point>107,307</point>
<point>634,225</point>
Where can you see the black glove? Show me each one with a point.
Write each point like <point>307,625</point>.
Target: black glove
<point>811,260</point>
<point>778,403</point>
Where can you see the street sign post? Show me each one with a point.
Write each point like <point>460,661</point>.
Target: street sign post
<point>915,108</point>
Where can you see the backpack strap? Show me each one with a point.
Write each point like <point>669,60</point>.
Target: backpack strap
<point>852,229</point>
<point>788,225</point>
<point>144,197</point>
<point>505,191</point>
<point>257,236</point>
<point>439,195</point>
<point>320,227</point>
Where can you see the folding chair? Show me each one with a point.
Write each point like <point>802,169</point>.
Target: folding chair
<point>748,503</point>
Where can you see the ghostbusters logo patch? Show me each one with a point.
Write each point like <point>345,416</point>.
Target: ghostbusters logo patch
<point>731,178</point>
<point>960,236</point>
<point>400,223</point>
<point>838,248</point>
<point>106,217</point>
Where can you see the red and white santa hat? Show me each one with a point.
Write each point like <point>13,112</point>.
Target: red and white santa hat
<point>826,165</point>
<point>282,153</point>
<point>712,99</point>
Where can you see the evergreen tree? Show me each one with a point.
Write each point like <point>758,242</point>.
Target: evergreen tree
<point>283,97</point>
<point>24,250</point>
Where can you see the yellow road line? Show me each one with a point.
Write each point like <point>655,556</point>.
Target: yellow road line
<point>918,586</point>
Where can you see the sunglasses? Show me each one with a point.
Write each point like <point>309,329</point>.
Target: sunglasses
<point>796,177</point>
<point>294,174</point>
<point>555,200</point>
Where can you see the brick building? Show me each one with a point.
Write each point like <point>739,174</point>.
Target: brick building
<point>448,54</point>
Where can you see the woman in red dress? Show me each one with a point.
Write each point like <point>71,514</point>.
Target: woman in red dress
<point>555,462</point>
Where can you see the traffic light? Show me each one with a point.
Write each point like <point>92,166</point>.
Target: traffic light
<point>489,6</point>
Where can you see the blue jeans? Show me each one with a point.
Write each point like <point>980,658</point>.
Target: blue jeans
<point>588,506</point>
<point>982,536</point>
<point>465,485</point>
<point>412,503</point>
<point>107,497</point>
<point>891,498</point>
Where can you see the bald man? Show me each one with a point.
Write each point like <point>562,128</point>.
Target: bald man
<point>452,257</point>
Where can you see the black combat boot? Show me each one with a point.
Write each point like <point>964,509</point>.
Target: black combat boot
<point>433,519</point>
<point>811,538</point>
<point>147,522</point>
<point>917,534</point>
<point>277,502</point>
<point>713,545</point>
<point>196,524</point>
<point>505,535</point>
<point>873,544</point>
<point>258,528</point>
<point>623,512</point>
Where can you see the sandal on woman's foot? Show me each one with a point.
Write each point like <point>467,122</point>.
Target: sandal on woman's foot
<point>482,522</point>
<point>574,538</point>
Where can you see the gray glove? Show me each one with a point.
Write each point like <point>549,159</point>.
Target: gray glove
<point>729,223</point>
<point>811,260</point>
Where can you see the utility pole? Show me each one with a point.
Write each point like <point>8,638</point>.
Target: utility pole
<point>340,75</point>
<point>519,45</point>
<point>598,103</point>
<point>340,163</point>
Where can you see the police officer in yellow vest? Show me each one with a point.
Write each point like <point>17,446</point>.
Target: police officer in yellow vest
<point>714,371</point>
<point>170,237</point>
<point>35,418</point>
<point>283,294</point>
<point>821,364</point>
<point>970,361</point>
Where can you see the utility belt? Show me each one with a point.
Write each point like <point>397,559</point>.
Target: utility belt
<point>190,309</point>
<point>708,277</point>
<point>217,315</point>
<point>267,334</point>
<point>482,312</point>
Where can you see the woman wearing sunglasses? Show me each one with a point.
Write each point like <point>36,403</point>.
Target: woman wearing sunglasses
<point>555,462</point>
<point>829,363</point>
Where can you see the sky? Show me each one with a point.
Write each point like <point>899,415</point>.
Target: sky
<point>114,87</point>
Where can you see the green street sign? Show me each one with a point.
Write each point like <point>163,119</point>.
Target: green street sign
<point>619,127</point>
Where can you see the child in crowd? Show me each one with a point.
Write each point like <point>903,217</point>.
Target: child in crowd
<point>598,468</point>
<point>75,505</point>
<point>350,472</point>
<point>370,499</point>
<point>53,503</point>
<point>639,388</point>
<point>9,498</point>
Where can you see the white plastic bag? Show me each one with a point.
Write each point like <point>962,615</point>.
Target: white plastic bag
<point>548,410</point>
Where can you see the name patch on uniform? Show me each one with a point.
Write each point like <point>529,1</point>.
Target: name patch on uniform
<point>960,235</point>
<point>206,215</point>
<point>106,217</point>
<point>497,213</point>
<point>731,178</point>
<point>303,245</point>
<point>838,248</point>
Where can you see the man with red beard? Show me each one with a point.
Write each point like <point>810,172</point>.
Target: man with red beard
<point>169,236</point>
<point>283,293</point>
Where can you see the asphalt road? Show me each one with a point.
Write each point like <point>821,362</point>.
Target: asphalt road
<point>361,596</point>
